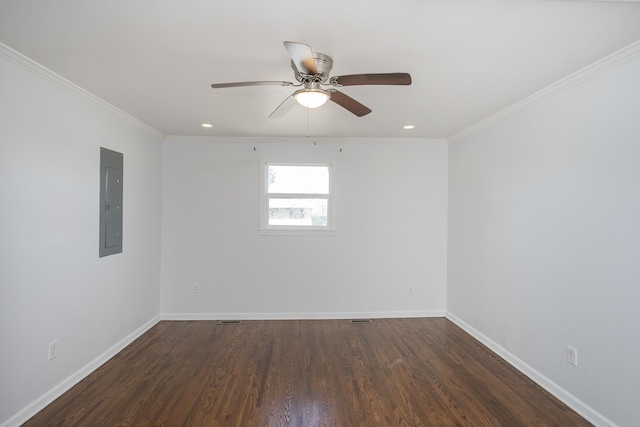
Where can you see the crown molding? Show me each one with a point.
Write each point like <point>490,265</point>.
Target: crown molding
<point>28,64</point>
<point>297,139</point>
<point>604,65</point>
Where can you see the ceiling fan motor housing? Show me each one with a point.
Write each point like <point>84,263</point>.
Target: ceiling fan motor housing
<point>323,62</point>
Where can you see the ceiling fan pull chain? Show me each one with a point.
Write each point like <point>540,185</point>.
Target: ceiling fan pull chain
<point>308,112</point>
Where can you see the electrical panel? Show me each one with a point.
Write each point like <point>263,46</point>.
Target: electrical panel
<point>111,173</point>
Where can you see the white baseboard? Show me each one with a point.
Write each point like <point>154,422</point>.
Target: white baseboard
<point>563,395</point>
<point>302,316</point>
<point>44,400</point>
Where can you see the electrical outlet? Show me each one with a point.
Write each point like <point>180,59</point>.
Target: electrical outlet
<point>196,288</point>
<point>53,349</point>
<point>410,290</point>
<point>572,356</point>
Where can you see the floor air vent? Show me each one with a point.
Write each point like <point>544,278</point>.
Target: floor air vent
<point>229,322</point>
<point>361,321</point>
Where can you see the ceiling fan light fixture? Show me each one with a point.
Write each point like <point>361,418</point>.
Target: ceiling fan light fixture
<point>311,98</point>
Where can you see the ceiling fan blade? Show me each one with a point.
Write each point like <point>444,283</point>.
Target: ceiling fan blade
<point>261,83</point>
<point>349,103</point>
<point>283,108</point>
<point>372,79</point>
<point>302,57</point>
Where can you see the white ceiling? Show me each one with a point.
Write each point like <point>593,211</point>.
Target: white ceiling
<point>156,59</point>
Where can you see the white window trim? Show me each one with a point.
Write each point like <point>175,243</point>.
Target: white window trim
<point>300,230</point>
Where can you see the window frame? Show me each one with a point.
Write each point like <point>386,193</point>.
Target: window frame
<point>297,230</point>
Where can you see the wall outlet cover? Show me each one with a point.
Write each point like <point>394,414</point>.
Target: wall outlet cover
<point>572,356</point>
<point>53,349</point>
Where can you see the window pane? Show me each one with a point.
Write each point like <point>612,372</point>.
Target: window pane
<point>298,179</point>
<point>306,212</point>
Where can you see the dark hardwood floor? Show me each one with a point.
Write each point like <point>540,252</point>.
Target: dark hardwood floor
<point>393,372</point>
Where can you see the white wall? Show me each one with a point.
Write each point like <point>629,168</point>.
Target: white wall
<point>391,216</point>
<point>544,239</point>
<point>53,285</point>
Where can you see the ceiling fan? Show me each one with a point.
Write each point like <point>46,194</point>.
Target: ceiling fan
<point>311,70</point>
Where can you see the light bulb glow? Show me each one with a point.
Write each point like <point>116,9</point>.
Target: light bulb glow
<point>311,98</point>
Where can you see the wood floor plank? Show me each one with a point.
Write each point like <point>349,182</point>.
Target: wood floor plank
<point>392,372</point>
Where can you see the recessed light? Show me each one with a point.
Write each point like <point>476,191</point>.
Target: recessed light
<point>206,125</point>
<point>408,127</point>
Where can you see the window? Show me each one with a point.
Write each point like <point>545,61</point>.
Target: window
<point>296,198</point>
